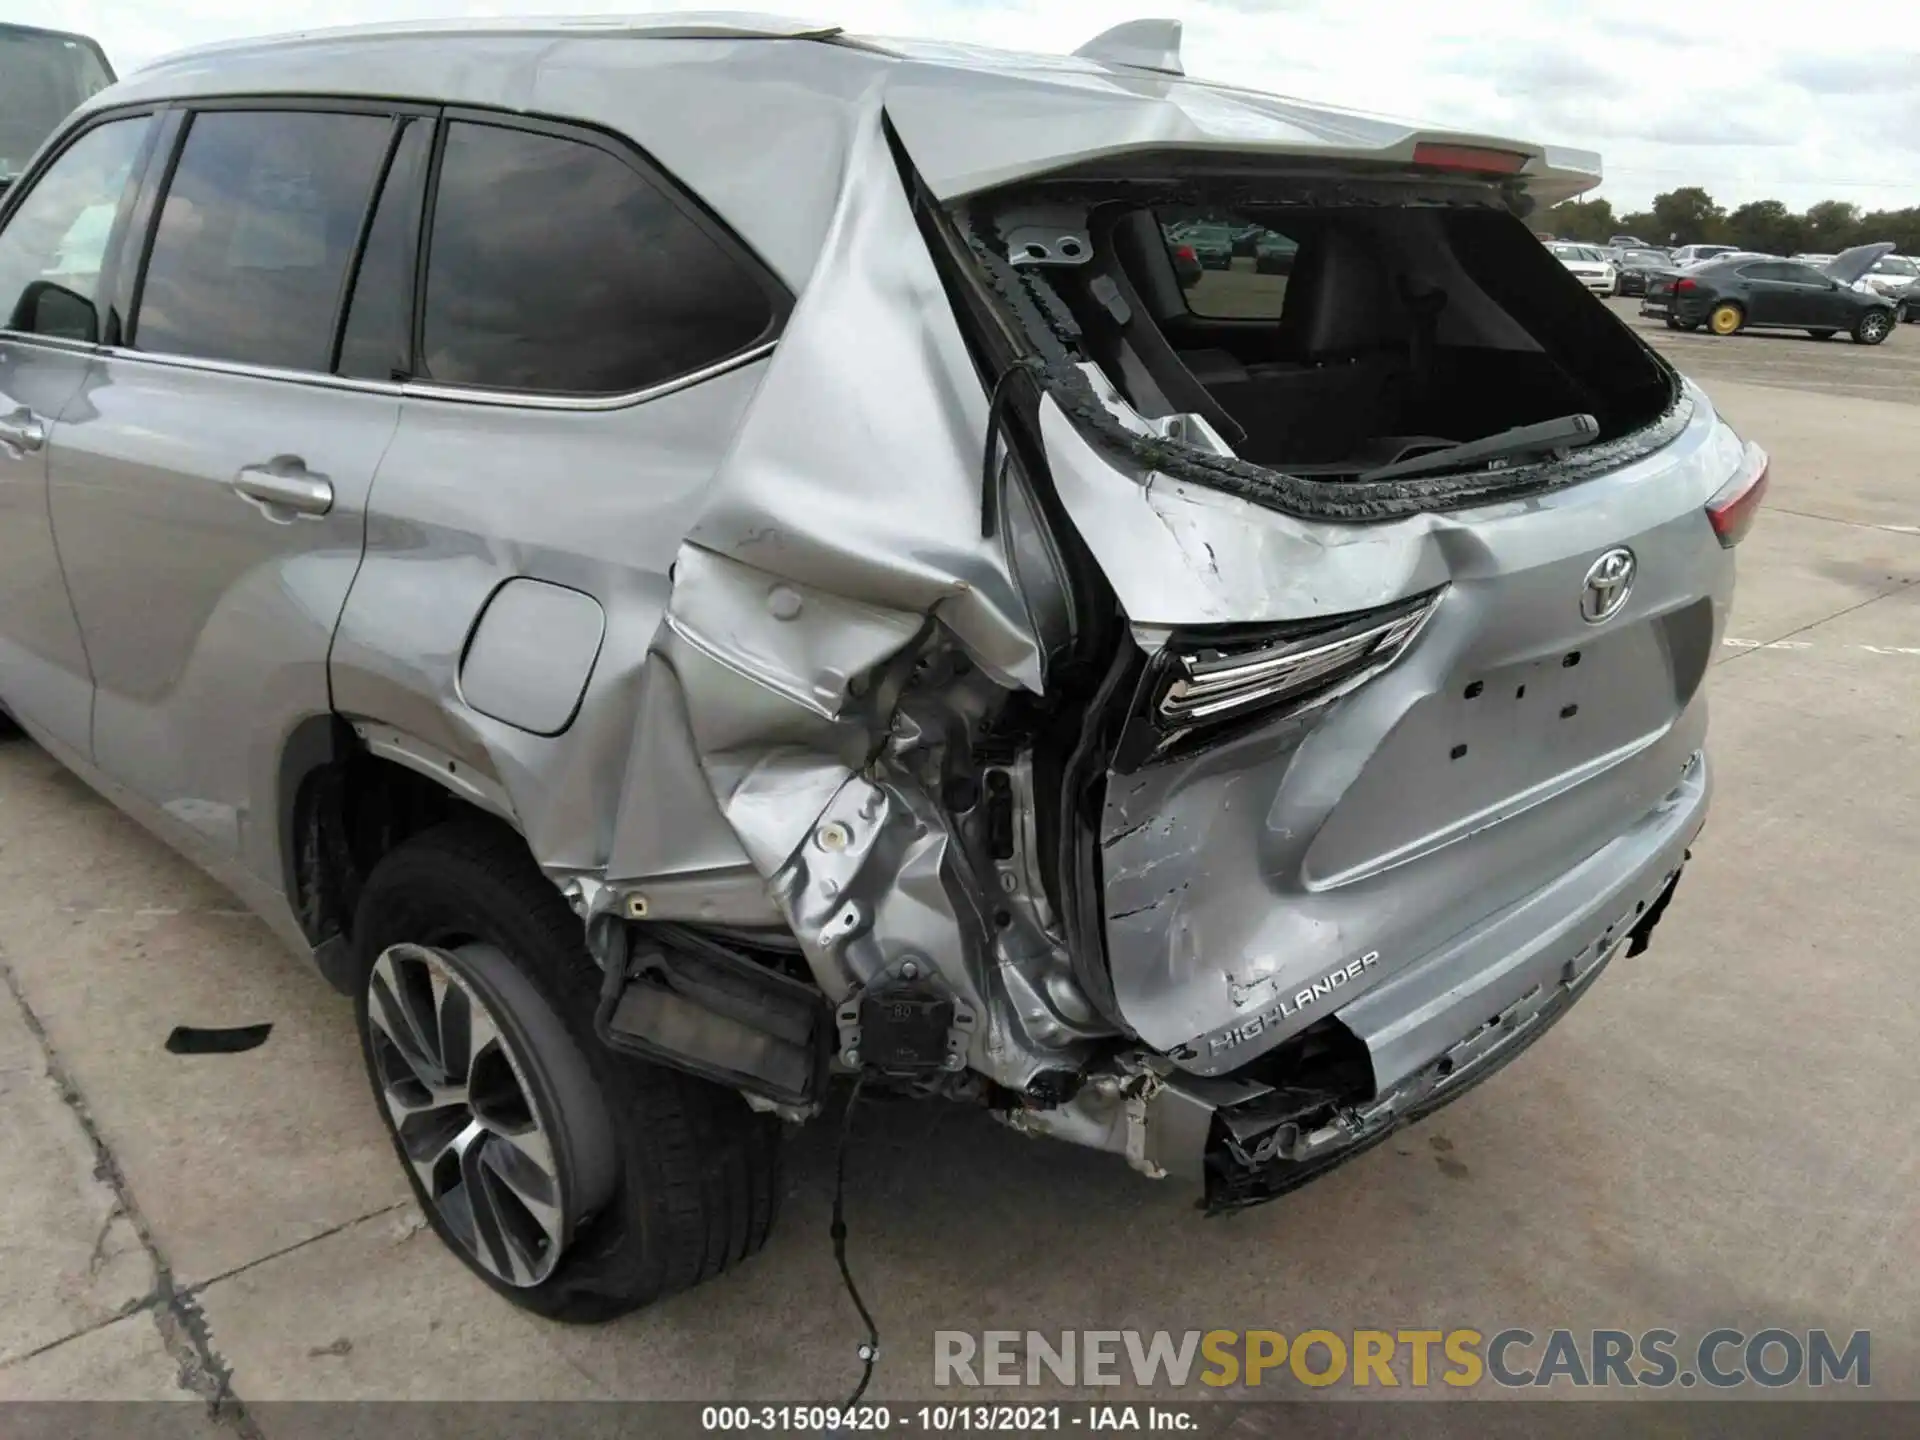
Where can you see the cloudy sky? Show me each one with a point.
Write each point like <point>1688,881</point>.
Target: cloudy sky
<point>1794,103</point>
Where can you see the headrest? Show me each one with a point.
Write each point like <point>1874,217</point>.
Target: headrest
<point>1340,300</point>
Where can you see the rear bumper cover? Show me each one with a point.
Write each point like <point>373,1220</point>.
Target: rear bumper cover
<point>1549,939</point>
<point>1447,1022</point>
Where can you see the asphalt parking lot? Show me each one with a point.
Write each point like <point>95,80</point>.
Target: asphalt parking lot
<point>1719,1134</point>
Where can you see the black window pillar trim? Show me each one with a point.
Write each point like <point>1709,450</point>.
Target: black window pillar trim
<point>350,277</point>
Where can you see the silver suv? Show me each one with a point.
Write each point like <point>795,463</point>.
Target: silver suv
<point>678,562</point>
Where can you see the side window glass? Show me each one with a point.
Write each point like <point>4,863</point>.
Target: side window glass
<point>1230,269</point>
<point>255,235</point>
<point>55,243</point>
<point>377,342</point>
<point>556,267</point>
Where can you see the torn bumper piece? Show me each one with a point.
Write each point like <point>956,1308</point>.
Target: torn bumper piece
<point>678,999</point>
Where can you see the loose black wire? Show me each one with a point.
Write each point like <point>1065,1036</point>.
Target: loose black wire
<point>869,1350</point>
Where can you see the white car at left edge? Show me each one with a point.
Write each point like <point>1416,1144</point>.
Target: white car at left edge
<point>1588,264</point>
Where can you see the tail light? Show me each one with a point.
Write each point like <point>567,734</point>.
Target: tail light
<point>1186,252</point>
<point>1683,285</point>
<point>1205,684</point>
<point>1733,509</point>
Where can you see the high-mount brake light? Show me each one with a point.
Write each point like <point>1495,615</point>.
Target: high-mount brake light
<point>1732,511</point>
<point>1436,155</point>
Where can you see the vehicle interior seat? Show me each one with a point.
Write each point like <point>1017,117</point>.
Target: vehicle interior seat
<point>1123,339</point>
<point>1330,384</point>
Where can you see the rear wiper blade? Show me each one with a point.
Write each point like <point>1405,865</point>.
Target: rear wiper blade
<point>1548,437</point>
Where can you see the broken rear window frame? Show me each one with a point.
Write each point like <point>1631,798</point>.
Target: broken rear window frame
<point>1055,357</point>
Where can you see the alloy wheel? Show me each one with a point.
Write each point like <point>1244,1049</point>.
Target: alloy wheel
<point>473,1128</point>
<point>1874,328</point>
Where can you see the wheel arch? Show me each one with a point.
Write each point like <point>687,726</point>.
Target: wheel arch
<point>348,794</point>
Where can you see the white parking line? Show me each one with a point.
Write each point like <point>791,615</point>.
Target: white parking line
<point>1808,645</point>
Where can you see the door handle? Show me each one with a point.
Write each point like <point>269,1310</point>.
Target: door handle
<point>23,430</point>
<point>284,483</point>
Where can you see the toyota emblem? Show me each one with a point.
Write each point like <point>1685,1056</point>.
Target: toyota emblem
<point>1609,581</point>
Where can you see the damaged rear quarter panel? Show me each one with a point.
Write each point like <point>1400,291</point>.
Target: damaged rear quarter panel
<point>471,496</point>
<point>763,543</point>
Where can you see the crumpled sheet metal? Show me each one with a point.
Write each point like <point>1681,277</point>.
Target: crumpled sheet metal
<point>843,523</point>
<point>802,642</point>
<point>857,470</point>
<point>1178,553</point>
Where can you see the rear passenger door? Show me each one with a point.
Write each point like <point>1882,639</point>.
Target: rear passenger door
<point>1773,297</point>
<point>1810,298</point>
<point>210,504</point>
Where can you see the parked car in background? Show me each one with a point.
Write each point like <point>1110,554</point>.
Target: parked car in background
<point>45,75</point>
<point>1637,266</point>
<point>1734,293</point>
<point>1906,300</point>
<point>1627,242</point>
<point>1212,241</point>
<point>1588,264</point>
<point>1273,253</point>
<point>1892,276</point>
<point>1811,257</point>
<point>1693,254</point>
<point>1187,268</point>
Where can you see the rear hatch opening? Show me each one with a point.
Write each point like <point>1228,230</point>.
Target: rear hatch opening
<point>1340,335</point>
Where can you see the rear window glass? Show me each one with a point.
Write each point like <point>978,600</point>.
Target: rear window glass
<point>1231,269</point>
<point>556,267</point>
<point>256,233</point>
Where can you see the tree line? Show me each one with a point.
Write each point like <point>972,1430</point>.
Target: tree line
<point>1689,216</point>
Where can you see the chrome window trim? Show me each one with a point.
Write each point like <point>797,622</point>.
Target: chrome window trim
<point>537,400</point>
<point>411,389</point>
<point>49,342</point>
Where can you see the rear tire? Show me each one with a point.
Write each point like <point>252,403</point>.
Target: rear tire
<point>1872,327</point>
<point>662,1180</point>
<point>1726,318</point>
